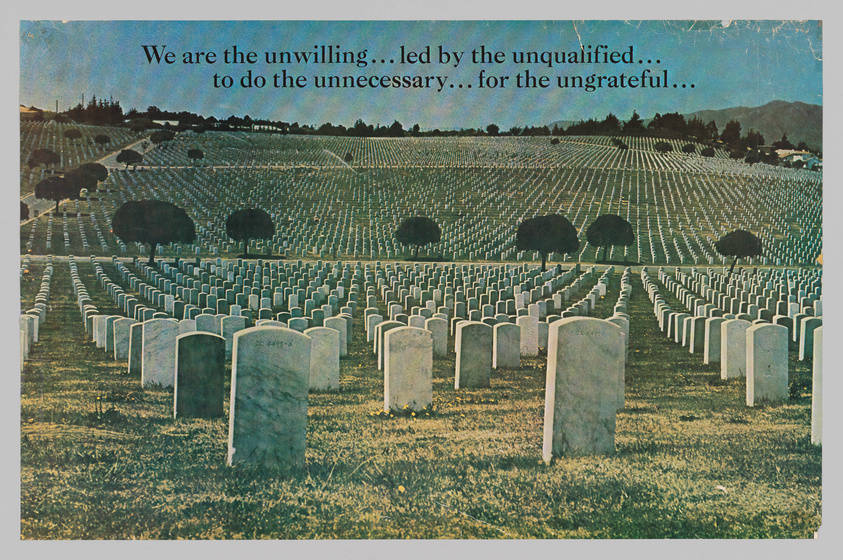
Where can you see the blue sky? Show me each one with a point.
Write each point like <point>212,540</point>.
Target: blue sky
<point>737,63</point>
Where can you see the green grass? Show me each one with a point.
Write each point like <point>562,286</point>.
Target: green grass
<point>691,461</point>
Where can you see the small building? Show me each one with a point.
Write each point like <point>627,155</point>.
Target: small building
<point>810,160</point>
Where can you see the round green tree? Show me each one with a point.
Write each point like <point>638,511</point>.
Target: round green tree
<point>547,234</point>
<point>55,188</point>
<point>418,231</point>
<point>72,134</point>
<point>608,230</point>
<point>194,154</point>
<point>152,221</point>
<point>129,157</point>
<point>738,244</point>
<point>42,156</point>
<point>245,225</point>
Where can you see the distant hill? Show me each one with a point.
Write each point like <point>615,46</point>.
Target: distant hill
<point>801,121</point>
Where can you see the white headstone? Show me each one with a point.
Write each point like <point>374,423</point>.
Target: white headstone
<point>439,331</point>
<point>269,385</point>
<point>408,369</point>
<point>324,358</point>
<point>158,362</point>
<point>817,389</point>
<point>733,348</point>
<point>474,354</point>
<point>711,348</point>
<point>506,340</point>
<point>766,364</point>
<point>529,335</point>
<point>584,369</point>
<point>121,337</point>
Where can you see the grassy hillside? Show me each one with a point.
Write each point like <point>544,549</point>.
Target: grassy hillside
<point>477,189</point>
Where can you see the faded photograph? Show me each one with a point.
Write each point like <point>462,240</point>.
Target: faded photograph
<point>376,280</point>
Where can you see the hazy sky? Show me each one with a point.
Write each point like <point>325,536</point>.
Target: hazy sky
<point>729,64</point>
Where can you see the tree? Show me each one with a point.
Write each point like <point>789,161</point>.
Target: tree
<point>152,221</point>
<point>493,130</point>
<point>753,139</point>
<point>731,134</point>
<point>634,125</point>
<point>707,152</point>
<point>418,231</point>
<point>689,148</point>
<point>160,136</point>
<point>24,211</point>
<point>711,131</point>
<point>87,175</point>
<point>348,157</point>
<point>57,189</point>
<point>738,244</point>
<point>129,157</point>
<point>42,156</point>
<point>608,230</point>
<point>102,139</point>
<point>72,134</point>
<point>783,144</point>
<point>194,154</point>
<point>96,170</point>
<point>663,147</point>
<point>396,130</point>
<point>244,225</point>
<point>547,234</point>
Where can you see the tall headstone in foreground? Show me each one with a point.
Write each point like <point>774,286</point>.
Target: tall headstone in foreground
<point>766,364</point>
<point>268,407</point>
<point>733,348</point>
<point>324,358</point>
<point>199,388</point>
<point>585,364</point>
<point>158,361</point>
<point>474,355</point>
<point>408,369</point>
<point>817,390</point>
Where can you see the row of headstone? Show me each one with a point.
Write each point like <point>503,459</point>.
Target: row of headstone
<point>478,236</point>
<point>755,350</point>
<point>32,319</point>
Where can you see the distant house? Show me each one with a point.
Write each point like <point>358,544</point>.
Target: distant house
<point>165,123</point>
<point>812,162</point>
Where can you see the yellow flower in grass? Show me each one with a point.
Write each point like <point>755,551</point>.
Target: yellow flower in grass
<point>401,488</point>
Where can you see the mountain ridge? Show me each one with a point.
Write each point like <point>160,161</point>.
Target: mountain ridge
<point>799,120</point>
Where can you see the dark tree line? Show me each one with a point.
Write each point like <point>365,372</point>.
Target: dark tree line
<point>99,112</point>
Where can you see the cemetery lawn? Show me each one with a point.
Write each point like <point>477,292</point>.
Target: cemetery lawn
<point>102,458</point>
